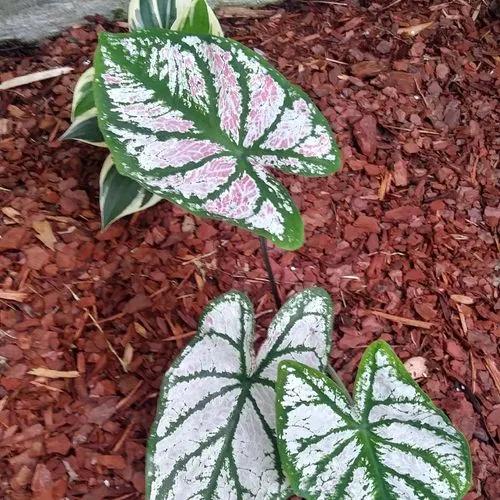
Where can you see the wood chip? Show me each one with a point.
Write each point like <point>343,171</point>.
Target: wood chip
<point>128,354</point>
<point>384,186</point>
<point>44,233</point>
<point>463,322</point>
<point>35,77</point>
<point>415,29</point>
<point>404,321</point>
<point>13,214</point>
<point>47,373</point>
<point>417,366</point>
<point>462,299</point>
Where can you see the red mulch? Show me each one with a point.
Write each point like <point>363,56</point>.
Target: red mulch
<point>409,223</point>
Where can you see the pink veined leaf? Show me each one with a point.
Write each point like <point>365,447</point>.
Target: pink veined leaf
<point>176,152</point>
<point>202,120</point>
<point>237,201</point>
<point>266,99</point>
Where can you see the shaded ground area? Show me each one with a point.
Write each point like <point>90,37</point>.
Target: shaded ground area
<point>409,228</point>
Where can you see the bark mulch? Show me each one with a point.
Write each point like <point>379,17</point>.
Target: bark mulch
<point>407,231</point>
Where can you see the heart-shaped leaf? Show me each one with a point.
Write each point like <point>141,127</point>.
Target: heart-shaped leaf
<point>214,432</point>
<point>200,119</point>
<point>120,196</point>
<point>84,126</point>
<point>391,443</point>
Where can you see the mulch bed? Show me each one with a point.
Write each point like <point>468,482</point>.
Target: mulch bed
<point>409,228</point>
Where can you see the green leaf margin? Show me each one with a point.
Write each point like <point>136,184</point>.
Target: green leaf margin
<point>379,345</point>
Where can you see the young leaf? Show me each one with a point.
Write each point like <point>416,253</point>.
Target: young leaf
<point>391,443</point>
<point>84,125</point>
<point>120,196</point>
<point>199,121</point>
<point>154,13</point>
<point>198,19</point>
<point>214,432</point>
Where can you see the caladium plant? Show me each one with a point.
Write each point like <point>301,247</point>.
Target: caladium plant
<point>154,13</point>
<point>214,432</point>
<point>181,15</point>
<point>200,120</point>
<point>120,195</point>
<point>84,125</point>
<point>389,442</point>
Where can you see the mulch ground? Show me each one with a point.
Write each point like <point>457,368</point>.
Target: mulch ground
<point>409,228</point>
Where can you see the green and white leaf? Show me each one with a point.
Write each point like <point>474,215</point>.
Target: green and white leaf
<point>120,196</point>
<point>198,19</point>
<point>214,433</point>
<point>390,443</point>
<point>200,120</point>
<point>144,14</point>
<point>84,126</point>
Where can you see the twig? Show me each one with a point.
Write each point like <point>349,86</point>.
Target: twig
<point>34,77</point>
<point>176,338</point>
<point>127,400</point>
<point>111,348</point>
<point>112,318</point>
<point>392,4</point>
<point>405,129</point>
<point>46,386</point>
<point>473,373</point>
<point>270,274</point>
<point>421,93</point>
<point>404,321</point>
<point>336,61</point>
<point>124,436</point>
<point>196,259</point>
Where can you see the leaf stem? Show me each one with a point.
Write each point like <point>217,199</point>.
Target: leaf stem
<point>270,274</point>
<point>338,381</point>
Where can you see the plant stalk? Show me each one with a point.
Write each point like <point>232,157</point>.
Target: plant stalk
<point>269,270</point>
<point>338,382</point>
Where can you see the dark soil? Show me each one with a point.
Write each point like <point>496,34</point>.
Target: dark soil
<point>409,227</point>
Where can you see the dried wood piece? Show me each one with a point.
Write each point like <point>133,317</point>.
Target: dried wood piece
<point>44,233</point>
<point>13,295</point>
<point>415,29</point>
<point>48,373</point>
<point>462,299</point>
<point>404,321</point>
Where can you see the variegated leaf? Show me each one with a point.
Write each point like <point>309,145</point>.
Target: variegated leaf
<point>120,196</point>
<point>84,126</point>
<point>154,13</point>
<point>201,120</point>
<point>214,432</point>
<point>390,443</point>
<point>198,19</point>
